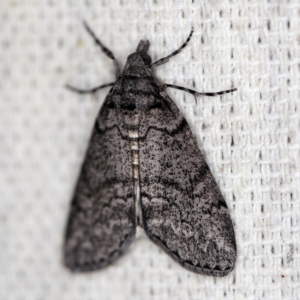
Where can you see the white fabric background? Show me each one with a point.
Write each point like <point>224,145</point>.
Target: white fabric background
<point>250,139</point>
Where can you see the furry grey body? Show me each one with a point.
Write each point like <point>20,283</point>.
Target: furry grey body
<point>143,167</point>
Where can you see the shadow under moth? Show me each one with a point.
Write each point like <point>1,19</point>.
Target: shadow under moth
<point>143,168</point>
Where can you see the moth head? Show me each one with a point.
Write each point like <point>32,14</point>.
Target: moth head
<point>140,57</point>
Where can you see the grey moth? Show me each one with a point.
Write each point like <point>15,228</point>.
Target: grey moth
<point>143,168</point>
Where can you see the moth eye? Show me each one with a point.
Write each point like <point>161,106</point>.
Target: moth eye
<point>146,58</point>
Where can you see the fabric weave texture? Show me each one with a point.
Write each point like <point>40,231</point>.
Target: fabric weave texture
<point>250,139</point>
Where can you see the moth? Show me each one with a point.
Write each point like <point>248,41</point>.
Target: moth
<point>143,168</point>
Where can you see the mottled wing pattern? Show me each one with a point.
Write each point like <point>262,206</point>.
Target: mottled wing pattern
<point>182,207</point>
<point>102,218</point>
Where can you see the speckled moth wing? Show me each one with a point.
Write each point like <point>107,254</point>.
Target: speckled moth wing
<point>182,207</point>
<point>102,219</point>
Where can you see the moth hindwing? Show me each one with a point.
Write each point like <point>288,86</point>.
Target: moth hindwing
<point>143,167</point>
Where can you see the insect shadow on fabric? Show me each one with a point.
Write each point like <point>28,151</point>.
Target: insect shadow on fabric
<point>143,168</point>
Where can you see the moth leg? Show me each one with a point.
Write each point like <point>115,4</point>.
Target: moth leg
<point>104,49</point>
<point>90,91</point>
<point>166,59</point>
<point>195,93</point>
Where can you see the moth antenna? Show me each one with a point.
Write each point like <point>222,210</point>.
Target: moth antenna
<point>104,49</point>
<point>166,59</point>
